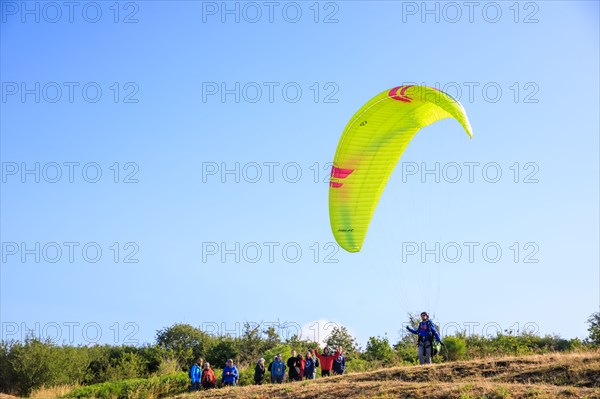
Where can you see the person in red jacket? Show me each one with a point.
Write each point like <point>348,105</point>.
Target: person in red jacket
<point>302,363</point>
<point>208,377</point>
<point>327,359</point>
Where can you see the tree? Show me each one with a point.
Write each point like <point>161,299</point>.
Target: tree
<point>225,348</point>
<point>341,337</point>
<point>272,338</point>
<point>378,349</point>
<point>594,328</point>
<point>186,343</point>
<point>250,344</point>
<point>299,345</point>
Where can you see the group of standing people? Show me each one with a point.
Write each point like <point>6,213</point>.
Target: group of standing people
<point>300,367</point>
<point>202,375</point>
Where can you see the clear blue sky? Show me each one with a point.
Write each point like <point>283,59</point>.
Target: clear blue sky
<point>526,73</point>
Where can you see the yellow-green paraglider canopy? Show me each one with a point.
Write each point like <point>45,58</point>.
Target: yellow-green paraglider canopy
<point>371,146</point>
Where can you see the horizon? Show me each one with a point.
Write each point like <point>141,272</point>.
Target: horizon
<point>316,331</point>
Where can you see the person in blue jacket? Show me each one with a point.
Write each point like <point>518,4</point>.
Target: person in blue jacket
<point>230,374</point>
<point>309,366</point>
<point>427,333</point>
<point>278,370</point>
<point>339,364</point>
<point>195,375</point>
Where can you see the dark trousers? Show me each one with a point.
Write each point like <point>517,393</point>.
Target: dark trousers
<point>425,352</point>
<point>325,373</point>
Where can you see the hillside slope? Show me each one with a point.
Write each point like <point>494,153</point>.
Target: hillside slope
<point>542,376</point>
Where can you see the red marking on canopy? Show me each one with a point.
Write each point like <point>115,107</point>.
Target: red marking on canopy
<point>335,184</point>
<point>403,91</point>
<point>402,96</point>
<point>340,173</point>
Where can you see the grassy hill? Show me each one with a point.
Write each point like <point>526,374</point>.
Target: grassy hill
<point>541,376</point>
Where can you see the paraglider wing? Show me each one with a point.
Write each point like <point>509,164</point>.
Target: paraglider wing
<point>371,146</point>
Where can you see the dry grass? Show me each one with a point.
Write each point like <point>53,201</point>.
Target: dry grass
<point>553,376</point>
<point>52,392</point>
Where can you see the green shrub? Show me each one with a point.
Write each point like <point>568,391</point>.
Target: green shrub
<point>455,348</point>
<point>168,366</point>
<point>185,342</point>
<point>379,349</point>
<point>33,364</point>
<point>247,376</point>
<point>225,348</point>
<point>406,351</point>
<point>149,388</point>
